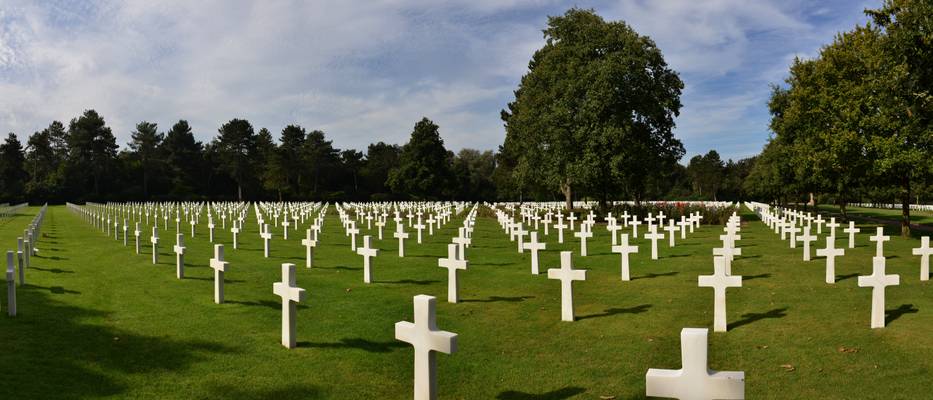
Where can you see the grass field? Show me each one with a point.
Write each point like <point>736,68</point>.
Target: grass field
<point>916,217</point>
<point>98,321</point>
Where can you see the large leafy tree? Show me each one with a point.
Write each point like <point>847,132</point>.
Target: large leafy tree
<point>381,159</point>
<point>473,171</point>
<point>903,143</point>
<point>321,160</point>
<point>92,152</point>
<point>595,110</point>
<point>235,146</point>
<point>424,165</point>
<point>184,159</point>
<point>12,169</point>
<point>289,166</point>
<point>145,142</point>
<point>45,151</point>
<point>706,174</point>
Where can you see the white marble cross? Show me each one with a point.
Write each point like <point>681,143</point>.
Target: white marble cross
<point>566,274</point>
<point>179,250</point>
<point>520,233</point>
<point>424,336</point>
<point>285,225</point>
<point>309,245</point>
<point>878,281</point>
<point>380,224</point>
<point>832,225</point>
<point>924,251</point>
<point>625,249</point>
<point>401,235</point>
<point>671,228</point>
<point>560,226</point>
<point>694,381</point>
<point>634,224</point>
<point>462,241</point>
<point>235,230</point>
<point>136,233</point>
<point>806,238</point>
<point>613,228</point>
<point>125,228</point>
<point>719,281</point>
<point>534,246</point>
<point>353,231</point>
<point>368,252</point>
<point>419,227</point>
<point>728,253</point>
<point>10,285</point>
<point>452,263</point>
<point>219,266</point>
<point>793,230</point>
<point>291,295</point>
<point>654,236</point>
<point>830,252</point>
<point>154,240</point>
<point>683,227</point>
<point>851,230</point>
<point>583,235</point>
<point>266,237</point>
<point>210,228</point>
<point>20,256</point>
<point>879,240</point>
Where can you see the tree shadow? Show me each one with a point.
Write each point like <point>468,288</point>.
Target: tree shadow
<point>677,255</point>
<point>54,289</point>
<point>54,258</point>
<point>358,344</point>
<point>895,314</point>
<point>654,275</point>
<point>411,282</point>
<point>558,394</point>
<point>747,257</point>
<point>840,278</point>
<point>53,270</point>
<point>759,276</point>
<point>754,317</point>
<point>615,311</point>
<point>495,299</point>
<point>68,352</point>
<point>339,267</point>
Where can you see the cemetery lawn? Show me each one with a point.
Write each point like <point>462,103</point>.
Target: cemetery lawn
<point>894,215</point>
<point>98,321</point>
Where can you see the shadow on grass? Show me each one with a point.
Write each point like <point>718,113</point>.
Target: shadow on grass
<point>654,275</point>
<point>411,282</point>
<point>558,394</point>
<point>53,270</point>
<point>615,311</point>
<point>241,392</point>
<point>357,344</point>
<point>496,299</point>
<point>53,289</point>
<point>340,267</point>
<point>895,314</point>
<point>275,305</point>
<point>226,280</point>
<point>491,264</point>
<point>61,354</point>
<point>759,276</point>
<point>755,317</point>
<point>846,276</point>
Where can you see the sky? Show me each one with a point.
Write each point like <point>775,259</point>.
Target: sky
<point>366,71</point>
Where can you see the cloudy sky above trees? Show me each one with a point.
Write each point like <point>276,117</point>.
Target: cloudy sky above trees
<point>365,71</point>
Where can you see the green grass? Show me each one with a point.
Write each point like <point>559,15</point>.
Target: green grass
<point>916,217</point>
<point>98,321</point>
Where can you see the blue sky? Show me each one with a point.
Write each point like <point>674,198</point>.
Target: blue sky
<point>366,71</point>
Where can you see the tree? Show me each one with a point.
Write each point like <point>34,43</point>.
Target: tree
<point>474,175</point>
<point>424,169</point>
<point>184,159</point>
<point>92,152</point>
<point>381,160</point>
<point>706,174</point>
<point>595,111</point>
<point>12,169</point>
<point>320,159</point>
<point>236,146</point>
<point>145,146</point>
<point>351,162</point>
<point>266,162</point>
<point>289,161</point>
<point>44,155</point>
<point>903,85</point>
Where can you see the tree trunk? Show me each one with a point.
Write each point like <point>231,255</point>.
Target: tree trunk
<point>905,208</point>
<point>842,209</point>
<point>239,191</point>
<point>568,194</point>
